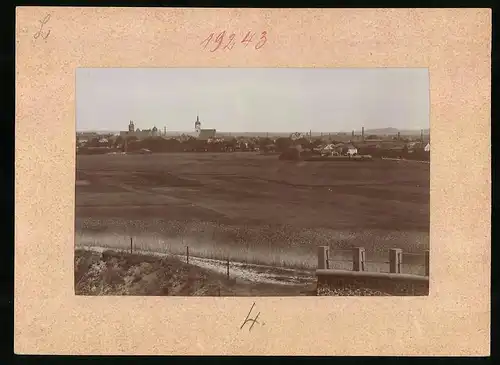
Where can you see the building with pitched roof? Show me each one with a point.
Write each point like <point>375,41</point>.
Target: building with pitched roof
<point>139,134</point>
<point>207,134</point>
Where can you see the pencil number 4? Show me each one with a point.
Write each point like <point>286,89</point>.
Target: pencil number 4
<point>225,41</point>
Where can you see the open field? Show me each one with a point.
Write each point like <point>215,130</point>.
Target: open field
<point>250,207</point>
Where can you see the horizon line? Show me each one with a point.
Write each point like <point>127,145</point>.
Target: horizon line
<point>262,132</point>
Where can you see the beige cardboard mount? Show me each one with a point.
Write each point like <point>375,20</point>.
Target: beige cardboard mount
<point>454,44</point>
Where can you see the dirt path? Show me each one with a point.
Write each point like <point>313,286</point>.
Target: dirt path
<point>258,274</point>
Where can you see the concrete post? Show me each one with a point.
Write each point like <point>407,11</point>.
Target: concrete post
<point>323,256</point>
<point>395,260</point>
<point>358,259</point>
<point>427,263</point>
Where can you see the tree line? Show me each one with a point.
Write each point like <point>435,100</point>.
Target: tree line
<point>189,143</point>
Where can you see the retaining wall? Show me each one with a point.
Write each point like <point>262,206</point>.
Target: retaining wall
<point>393,284</point>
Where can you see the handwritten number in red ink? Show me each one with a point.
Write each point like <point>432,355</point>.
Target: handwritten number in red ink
<point>219,40</point>
<point>230,44</point>
<point>247,40</point>
<point>207,40</point>
<point>263,40</point>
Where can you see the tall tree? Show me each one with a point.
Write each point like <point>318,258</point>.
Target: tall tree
<point>283,143</point>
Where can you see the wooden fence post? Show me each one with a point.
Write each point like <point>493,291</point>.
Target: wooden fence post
<point>130,244</point>
<point>427,263</point>
<point>358,258</point>
<point>187,254</point>
<point>323,257</point>
<point>395,260</point>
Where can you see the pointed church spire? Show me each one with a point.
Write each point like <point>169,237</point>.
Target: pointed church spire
<point>197,124</point>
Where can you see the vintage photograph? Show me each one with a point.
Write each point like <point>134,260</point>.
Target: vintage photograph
<point>252,182</point>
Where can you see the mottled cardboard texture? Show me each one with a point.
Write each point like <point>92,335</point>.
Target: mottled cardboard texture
<point>454,320</point>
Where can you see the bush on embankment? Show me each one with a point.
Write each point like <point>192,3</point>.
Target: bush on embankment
<point>120,273</point>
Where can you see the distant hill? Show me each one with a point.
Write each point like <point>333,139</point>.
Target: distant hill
<point>394,131</point>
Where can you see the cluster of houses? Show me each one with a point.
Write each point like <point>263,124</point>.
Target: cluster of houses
<point>331,145</point>
<point>354,148</point>
<point>356,144</point>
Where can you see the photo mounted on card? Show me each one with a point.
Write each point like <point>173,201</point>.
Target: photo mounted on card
<point>252,181</point>
<point>220,173</point>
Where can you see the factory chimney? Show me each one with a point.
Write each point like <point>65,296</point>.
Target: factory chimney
<point>362,134</point>
<point>422,135</point>
<point>399,136</point>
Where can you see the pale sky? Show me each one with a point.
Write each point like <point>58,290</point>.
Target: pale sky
<point>252,99</point>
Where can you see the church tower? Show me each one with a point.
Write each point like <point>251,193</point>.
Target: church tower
<point>131,126</point>
<point>197,124</point>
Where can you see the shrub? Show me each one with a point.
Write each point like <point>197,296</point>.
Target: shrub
<point>291,154</point>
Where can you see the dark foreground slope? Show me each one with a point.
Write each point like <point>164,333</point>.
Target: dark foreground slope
<point>119,273</point>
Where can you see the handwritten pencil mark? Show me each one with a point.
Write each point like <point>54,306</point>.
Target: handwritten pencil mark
<point>248,319</point>
<point>39,33</point>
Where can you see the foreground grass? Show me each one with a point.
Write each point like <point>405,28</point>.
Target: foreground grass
<point>121,273</point>
<point>281,246</point>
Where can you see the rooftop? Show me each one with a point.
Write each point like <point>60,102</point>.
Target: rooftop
<point>206,134</point>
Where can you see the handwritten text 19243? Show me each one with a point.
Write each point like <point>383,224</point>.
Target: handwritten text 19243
<point>221,42</point>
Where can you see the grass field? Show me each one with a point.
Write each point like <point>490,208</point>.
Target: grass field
<point>250,207</point>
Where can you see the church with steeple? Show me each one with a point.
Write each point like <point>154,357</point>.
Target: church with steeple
<point>208,135</point>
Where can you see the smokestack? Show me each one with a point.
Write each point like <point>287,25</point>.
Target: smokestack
<point>363,134</point>
<point>399,136</point>
<point>353,133</point>
<point>422,135</point>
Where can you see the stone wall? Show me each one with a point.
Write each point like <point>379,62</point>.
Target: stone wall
<point>391,284</point>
